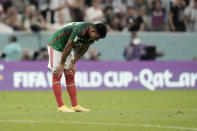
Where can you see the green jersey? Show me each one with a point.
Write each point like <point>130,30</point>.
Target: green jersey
<point>77,32</point>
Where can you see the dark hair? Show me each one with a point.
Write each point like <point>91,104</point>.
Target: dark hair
<point>101,29</point>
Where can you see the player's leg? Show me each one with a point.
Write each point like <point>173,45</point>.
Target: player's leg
<point>71,87</point>
<point>70,83</point>
<point>54,59</point>
<point>56,85</point>
<point>72,91</point>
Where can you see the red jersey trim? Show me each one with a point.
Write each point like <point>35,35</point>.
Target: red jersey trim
<point>59,37</point>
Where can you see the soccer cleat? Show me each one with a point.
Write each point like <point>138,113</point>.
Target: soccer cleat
<point>64,109</point>
<point>78,108</point>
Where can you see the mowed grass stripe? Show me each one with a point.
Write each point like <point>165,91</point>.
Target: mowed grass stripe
<point>104,124</point>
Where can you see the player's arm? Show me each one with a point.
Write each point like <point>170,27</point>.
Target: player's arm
<point>81,52</point>
<point>65,54</point>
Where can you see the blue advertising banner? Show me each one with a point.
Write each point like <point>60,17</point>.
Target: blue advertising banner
<point>103,75</point>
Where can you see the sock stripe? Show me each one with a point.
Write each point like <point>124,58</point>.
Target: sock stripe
<point>70,85</point>
<point>56,83</point>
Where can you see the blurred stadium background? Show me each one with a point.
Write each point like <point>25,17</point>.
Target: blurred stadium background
<point>142,76</point>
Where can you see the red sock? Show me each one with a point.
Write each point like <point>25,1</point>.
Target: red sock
<point>72,91</point>
<point>71,88</point>
<point>57,89</point>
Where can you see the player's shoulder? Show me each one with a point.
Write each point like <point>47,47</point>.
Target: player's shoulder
<point>82,27</point>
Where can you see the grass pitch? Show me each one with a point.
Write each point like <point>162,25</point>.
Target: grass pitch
<point>173,110</point>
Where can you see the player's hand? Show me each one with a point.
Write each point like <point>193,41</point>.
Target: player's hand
<point>72,67</point>
<point>59,70</point>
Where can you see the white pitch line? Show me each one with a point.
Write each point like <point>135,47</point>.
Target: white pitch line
<point>104,123</point>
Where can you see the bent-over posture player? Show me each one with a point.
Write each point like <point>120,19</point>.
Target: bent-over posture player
<point>78,35</point>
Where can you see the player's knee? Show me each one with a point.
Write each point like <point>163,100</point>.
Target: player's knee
<point>56,78</point>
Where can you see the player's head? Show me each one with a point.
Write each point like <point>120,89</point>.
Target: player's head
<point>98,31</point>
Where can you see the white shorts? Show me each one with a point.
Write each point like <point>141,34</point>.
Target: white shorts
<point>55,57</point>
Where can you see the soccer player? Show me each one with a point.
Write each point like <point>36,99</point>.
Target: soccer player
<point>79,35</point>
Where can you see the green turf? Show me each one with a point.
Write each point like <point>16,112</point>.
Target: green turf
<point>173,110</point>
